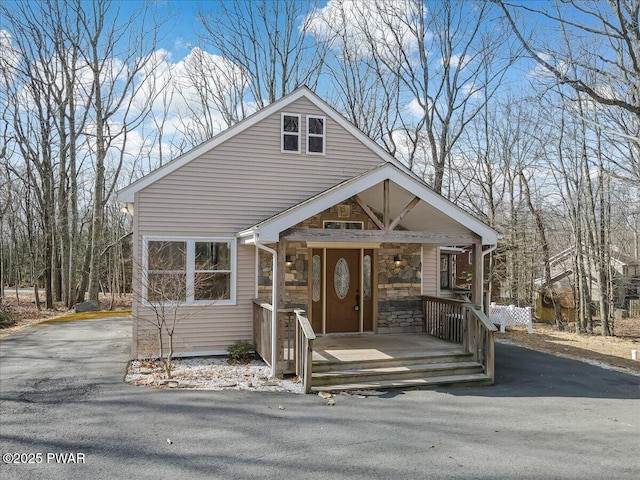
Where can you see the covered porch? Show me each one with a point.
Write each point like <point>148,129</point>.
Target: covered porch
<point>363,259</point>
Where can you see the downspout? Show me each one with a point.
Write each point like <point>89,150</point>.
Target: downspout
<point>486,252</point>
<point>274,304</point>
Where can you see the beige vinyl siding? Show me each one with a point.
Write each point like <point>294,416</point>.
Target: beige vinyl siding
<point>430,274</point>
<point>247,179</point>
<point>238,184</point>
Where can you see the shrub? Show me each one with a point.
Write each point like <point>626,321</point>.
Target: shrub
<point>240,351</point>
<point>6,317</point>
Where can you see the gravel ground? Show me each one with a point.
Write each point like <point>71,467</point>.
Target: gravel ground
<point>210,373</point>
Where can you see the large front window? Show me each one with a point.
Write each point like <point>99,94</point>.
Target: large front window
<point>189,270</point>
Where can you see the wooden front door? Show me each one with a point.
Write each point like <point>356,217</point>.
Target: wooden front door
<point>343,290</point>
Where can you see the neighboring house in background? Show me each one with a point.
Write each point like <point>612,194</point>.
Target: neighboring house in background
<point>625,277</point>
<point>296,208</point>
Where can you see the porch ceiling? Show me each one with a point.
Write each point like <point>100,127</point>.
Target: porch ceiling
<point>421,218</point>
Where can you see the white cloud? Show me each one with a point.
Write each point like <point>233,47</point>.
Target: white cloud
<point>541,72</point>
<point>364,25</point>
<point>456,61</point>
<point>8,53</point>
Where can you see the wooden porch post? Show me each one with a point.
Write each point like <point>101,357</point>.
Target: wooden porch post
<point>385,214</point>
<point>477,284</point>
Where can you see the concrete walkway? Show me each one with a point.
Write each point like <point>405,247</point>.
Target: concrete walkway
<point>61,391</point>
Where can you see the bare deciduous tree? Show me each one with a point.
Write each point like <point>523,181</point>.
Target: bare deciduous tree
<point>604,32</point>
<point>449,60</point>
<point>270,51</point>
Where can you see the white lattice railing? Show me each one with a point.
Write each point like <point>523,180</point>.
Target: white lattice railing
<point>510,316</point>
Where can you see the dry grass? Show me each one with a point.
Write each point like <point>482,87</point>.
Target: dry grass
<point>612,351</point>
<point>24,311</point>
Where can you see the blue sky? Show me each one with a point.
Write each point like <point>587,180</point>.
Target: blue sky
<point>182,28</point>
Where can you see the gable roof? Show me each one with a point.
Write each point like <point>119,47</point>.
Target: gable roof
<point>269,230</point>
<point>127,194</point>
<point>615,256</point>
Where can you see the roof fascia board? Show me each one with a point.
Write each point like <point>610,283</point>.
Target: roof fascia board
<point>127,194</point>
<point>270,230</point>
<point>488,234</point>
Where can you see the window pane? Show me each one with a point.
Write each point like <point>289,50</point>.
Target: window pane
<point>316,279</point>
<point>445,276</point>
<point>212,286</point>
<point>213,256</point>
<point>341,278</point>
<point>315,145</point>
<point>316,125</point>
<point>166,287</point>
<point>167,255</point>
<point>342,225</point>
<point>291,143</point>
<point>366,271</point>
<point>290,124</point>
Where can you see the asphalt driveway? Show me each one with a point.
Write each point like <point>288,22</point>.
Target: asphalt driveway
<point>61,392</point>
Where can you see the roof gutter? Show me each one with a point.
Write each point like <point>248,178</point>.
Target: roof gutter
<point>274,304</point>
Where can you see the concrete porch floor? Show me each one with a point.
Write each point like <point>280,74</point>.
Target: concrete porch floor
<point>369,346</point>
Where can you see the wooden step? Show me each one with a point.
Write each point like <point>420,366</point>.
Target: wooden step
<point>403,372</point>
<point>476,379</point>
<point>443,357</point>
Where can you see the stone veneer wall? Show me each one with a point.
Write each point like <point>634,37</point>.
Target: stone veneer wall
<point>297,276</point>
<point>399,302</point>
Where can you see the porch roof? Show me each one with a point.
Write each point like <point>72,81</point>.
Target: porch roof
<point>433,219</point>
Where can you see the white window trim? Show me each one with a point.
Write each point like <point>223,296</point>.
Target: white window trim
<point>282,132</point>
<point>190,267</point>
<point>324,135</point>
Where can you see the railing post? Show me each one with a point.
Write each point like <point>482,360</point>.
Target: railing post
<point>490,357</point>
<point>465,329</point>
<point>304,349</point>
<point>308,362</point>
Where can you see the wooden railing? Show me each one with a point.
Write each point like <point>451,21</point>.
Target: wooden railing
<point>460,322</point>
<point>443,318</point>
<point>478,338</point>
<point>304,349</point>
<point>262,328</point>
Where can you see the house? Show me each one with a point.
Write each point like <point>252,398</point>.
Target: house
<point>294,210</point>
<point>625,279</point>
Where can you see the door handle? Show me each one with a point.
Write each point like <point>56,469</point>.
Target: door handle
<point>357,307</point>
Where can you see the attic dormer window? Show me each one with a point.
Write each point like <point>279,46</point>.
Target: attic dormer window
<point>290,133</point>
<point>315,135</point>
